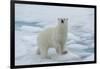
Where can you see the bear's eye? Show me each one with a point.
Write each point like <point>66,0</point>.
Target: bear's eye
<point>62,21</point>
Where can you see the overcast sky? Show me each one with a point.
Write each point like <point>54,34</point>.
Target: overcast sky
<point>26,12</point>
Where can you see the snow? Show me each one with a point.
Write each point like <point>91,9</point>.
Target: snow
<point>80,41</point>
<point>90,58</point>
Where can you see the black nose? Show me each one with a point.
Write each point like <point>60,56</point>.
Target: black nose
<point>62,21</point>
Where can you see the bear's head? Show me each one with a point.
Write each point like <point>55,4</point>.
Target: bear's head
<point>62,21</point>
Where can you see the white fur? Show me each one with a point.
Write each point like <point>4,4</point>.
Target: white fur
<point>53,38</point>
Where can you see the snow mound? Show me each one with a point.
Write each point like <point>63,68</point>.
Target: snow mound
<point>29,28</point>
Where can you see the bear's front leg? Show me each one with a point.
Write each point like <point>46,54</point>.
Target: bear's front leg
<point>62,49</point>
<point>58,49</point>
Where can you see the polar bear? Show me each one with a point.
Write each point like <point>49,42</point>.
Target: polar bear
<point>53,38</point>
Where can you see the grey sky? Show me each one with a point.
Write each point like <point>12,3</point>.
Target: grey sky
<point>28,12</point>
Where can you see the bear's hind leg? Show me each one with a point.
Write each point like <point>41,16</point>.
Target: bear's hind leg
<point>44,52</point>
